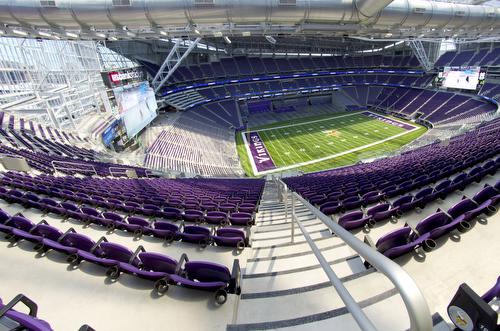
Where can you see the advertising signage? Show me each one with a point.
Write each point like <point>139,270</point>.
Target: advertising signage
<point>117,78</point>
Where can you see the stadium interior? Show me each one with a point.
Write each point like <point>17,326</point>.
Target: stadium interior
<point>249,165</point>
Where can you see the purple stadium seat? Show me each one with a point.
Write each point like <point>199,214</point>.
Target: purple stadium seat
<point>216,217</point>
<point>195,234</point>
<point>353,220</point>
<point>21,320</point>
<point>230,237</point>
<point>244,219</point>
<point>399,242</point>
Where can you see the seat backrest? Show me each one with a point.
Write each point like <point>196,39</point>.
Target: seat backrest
<point>485,194</point>
<point>116,252</point>
<point>461,207</point>
<point>207,271</point>
<point>47,231</point>
<point>392,239</point>
<point>78,241</point>
<point>431,222</point>
<point>157,262</point>
<point>21,223</point>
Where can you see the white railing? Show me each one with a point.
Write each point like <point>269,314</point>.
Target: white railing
<point>416,305</point>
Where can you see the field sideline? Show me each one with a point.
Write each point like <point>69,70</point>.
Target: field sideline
<point>313,144</point>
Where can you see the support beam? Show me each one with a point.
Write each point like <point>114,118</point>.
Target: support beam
<point>171,63</point>
<point>421,54</point>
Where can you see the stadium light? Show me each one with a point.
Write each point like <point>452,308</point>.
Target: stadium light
<point>227,40</point>
<point>271,39</point>
<point>2,32</point>
<point>71,35</point>
<point>20,32</point>
<point>163,33</point>
<point>100,34</point>
<point>196,31</point>
<point>44,34</point>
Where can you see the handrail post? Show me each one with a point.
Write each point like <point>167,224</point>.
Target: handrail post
<point>293,219</point>
<point>285,201</point>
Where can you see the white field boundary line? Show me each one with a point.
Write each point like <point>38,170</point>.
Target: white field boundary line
<point>256,172</point>
<point>335,155</point>
<point>304,123</point>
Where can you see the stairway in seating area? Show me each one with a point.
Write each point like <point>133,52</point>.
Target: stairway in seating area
<point>284,286</point>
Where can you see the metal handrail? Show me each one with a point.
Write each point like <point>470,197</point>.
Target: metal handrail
<point>415,303</point>
<point>56,168</point>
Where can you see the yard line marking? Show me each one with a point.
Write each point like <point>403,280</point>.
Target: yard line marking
<point>297,165</point>
<point>302,123</point>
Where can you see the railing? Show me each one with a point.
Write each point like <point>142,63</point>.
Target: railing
<point>416,305</point>
<point>70,166</point>
<point>119,171</point>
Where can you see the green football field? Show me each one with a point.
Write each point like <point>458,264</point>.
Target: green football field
<point>313,144</point>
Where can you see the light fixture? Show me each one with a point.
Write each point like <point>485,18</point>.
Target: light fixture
<point>163,33</point>
<point>113,38</point>
<point>196,31</point>
<point>217,34</point>
<point>227,40</point>
<point>131,34</point>
<point>100,34</point>
<point>246,33</point>
<point>44,34</point>
<point>71,35</point>
<point>20,32</point>
<point>388,34</point>
<point>2,32</point>
<point>271,39</point>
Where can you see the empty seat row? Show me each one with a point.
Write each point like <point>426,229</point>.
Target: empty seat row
<point>117,259</point>
<point>424,234</point>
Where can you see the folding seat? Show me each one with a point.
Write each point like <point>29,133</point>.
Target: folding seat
<point>11,319</point>
<point>230,237</point>
<point>353,220</point>
<point>115,204</point>
<point>371,197</point>
<point>172,213</point>
<point>441,190</point>
<point>424,196</point>
<point>175,202</point>
<point>244,219</point>
<point>4,217</point>
<point>352,203</point>
<point>405,204</point>
<point>399,242</point>
<point>131,207</point>
<point>247,207</point>
<point>465,211</point>
<point>206,276</point>
<point>489,168</point>
<point>475,175</point>
<point>209,206</point>
<point>434,226</point>
<point>110,219</point>
<point>31,200</point>
<point>150,266</point>
<point>487,198</point>
<point>21,228</point>
<point>382,212</point>
<point>132,224</point>
<point>99,201</point>
<point>195,234</point>
<point>91,215</point>
<point>216,217</point>
<point>93,252</point>
<point>331,207</point>
<point>163,229</point>
<point>72,210</point>
<point>459,182</point>
<point>151,210</point>
<point>191,215</point>
<point>14,196</point>
<point>49,205</point>
<point>228,207</point>
<point>317,199</point>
